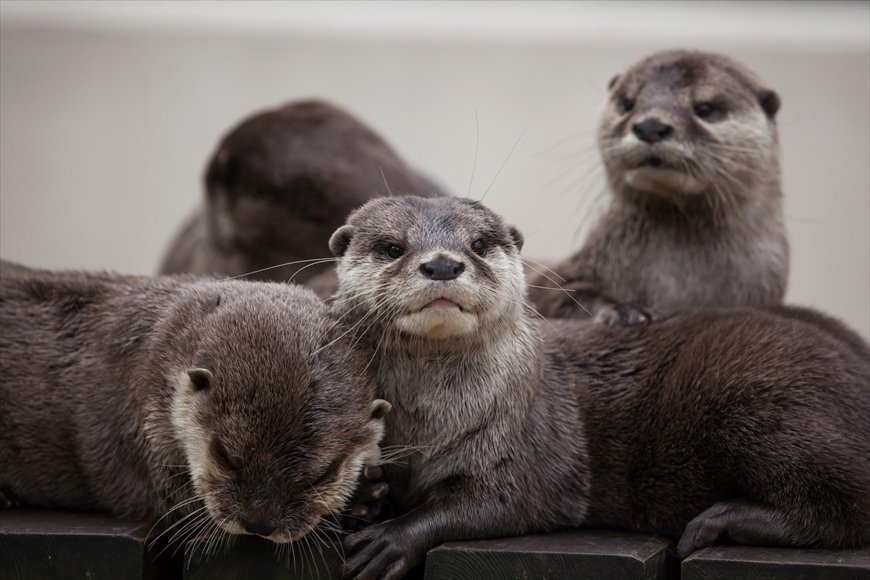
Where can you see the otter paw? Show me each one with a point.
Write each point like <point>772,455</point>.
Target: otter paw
<point>384,551</point>
<point>367,504</point>
<point>626,314</point>
<point>703,530</point>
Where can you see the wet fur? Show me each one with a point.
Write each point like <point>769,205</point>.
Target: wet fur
<point>746,425</point>
<point>99,411</point>
<point>710,233</point>
<point>278,185</point>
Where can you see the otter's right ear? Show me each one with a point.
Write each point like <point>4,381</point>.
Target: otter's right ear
<point>380,408</point>
<point>200,379</point>
<point>612,82</point>
<point>769,102</point>
<point>518,238</point>
<point>340,240</point>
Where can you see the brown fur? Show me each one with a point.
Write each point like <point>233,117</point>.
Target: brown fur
<point>704,227</point>
<point>749,426</point>
<point>278,185</point>
<point>177,400</point>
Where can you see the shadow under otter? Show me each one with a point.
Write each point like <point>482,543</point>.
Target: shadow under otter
<point>749,426</point>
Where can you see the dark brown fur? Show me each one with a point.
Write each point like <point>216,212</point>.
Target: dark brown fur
<point>180,401</point>
<point>704,226</point>
<point>749,426</point>
<point>278,185</point>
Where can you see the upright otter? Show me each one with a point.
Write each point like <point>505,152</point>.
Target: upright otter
<point>218,407</point>
<point>276,188</point>
<point>690,148</point>
<point>746,425</point>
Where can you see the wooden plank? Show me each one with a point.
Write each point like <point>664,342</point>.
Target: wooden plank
<point>258,559</point>
<point>52,544</point>
<point>603,555</point>
<point>727,562</point>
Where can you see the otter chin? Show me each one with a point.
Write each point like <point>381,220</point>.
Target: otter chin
<point>664,181</point>
<point>440,318</point>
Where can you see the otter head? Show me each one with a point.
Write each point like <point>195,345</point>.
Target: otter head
<point>680,125</point>
<point>275,414</point>
<point>433,268</point>
<point>283,180</point>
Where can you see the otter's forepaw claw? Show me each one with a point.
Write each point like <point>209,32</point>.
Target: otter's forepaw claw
<point>626,315</point>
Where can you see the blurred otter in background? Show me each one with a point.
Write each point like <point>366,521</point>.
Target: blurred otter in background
<point>276,188</point>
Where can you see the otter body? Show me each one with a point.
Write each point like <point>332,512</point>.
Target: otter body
<point>278,185</point>
<point>745,425</point>
<point>690,148</point>
<point>177,400</point>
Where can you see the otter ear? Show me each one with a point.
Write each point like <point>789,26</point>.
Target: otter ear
<point>380,408</point>
<point>340,240</point>
<point>201,379</point>
<point>769,102</point>
<point>517,237</point>
<point>612,82</point>
<point>210,304</point>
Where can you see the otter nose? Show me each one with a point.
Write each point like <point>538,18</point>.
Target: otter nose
<point>258,528</point>
<point>652,130</point>
<point>442,269</point>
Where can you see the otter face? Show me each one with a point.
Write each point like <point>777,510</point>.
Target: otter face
<point>276,417</point>
<point>681,124</point>
<point>433,268</point>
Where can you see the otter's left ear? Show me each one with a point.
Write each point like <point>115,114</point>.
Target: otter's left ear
<point>340,240</point>
<point>612,82</point>
<point>517,237</point>
<point>200,379</point>
<point>380,408</point>
<point>769,102</point>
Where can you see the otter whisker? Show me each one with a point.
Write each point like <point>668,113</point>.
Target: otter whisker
<point>317,263</point>
<point>568,294</point>
<point>517,142</point>
<point>476,151</point>
<point>325,259</point>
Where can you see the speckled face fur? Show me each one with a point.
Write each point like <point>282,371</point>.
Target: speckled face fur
<point>411,267</point>
<point>275,441</point>
<point>686,123</point>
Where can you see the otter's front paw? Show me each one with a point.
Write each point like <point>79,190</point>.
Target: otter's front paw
<point>626,314</point>
<point>386,551</point>
<point>369,501</point>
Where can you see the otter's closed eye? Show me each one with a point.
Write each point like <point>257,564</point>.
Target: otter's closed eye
<point>331,473</point>
<point>223,457</point>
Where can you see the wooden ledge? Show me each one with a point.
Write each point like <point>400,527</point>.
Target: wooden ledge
<point>727,562</point>
<point>64,544</point>
<point>578,554</point>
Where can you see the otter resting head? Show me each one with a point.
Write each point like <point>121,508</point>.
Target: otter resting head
<point>274,441</point>
<point>680,124</point>
<point>411,272</point>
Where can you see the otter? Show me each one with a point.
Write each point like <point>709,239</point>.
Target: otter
<point>200,406</point>
<point>278,185</point>
<point>742,425</point>
<point>691,154</point>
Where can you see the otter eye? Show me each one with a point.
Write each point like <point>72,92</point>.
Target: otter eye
<point>624,104</point>
<point>331,473</point>
<point>478,246</point>
<point>222,457</point>
<point>394,251</point>
<point>706,110</point>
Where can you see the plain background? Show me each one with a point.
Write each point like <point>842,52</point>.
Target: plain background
<point>108,112</point>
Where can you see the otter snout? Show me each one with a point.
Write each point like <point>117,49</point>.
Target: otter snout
<point>652,130</point>
<point>259,528</point>
<point>442,269</point>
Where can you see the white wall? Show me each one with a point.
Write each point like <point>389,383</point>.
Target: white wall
<point>108,112</point>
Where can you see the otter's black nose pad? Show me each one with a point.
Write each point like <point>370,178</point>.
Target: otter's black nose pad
<point>442,269</point>
<point>258,528</point>
<point>652,130</point>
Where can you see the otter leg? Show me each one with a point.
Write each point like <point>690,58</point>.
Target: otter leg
<point>740,522</point>
<point>370,501</point>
